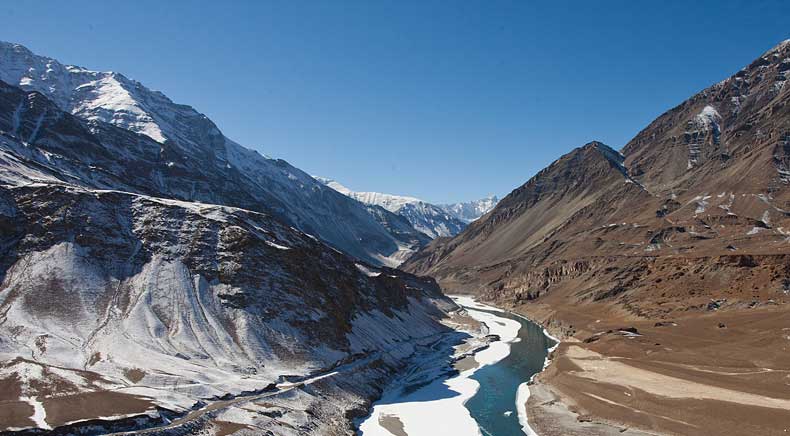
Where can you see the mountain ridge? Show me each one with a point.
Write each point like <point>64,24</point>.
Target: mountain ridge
<point>432,220</point>
<point>699,150</point>
<point>469,211</point>
<point>187,141</point>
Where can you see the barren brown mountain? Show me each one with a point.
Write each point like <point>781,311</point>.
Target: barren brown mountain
<point>665,267</point>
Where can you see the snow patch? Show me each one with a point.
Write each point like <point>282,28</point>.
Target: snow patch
<point>39,413</point>
<point>367,271</point>
<point>277,246</point>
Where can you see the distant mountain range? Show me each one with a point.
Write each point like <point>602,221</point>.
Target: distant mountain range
<point>471,210</point>
<point>432,220</point>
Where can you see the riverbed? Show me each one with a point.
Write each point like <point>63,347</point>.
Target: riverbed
<point>486,398</point>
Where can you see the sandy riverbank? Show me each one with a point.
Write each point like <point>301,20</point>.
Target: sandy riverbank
<point>719,373</point>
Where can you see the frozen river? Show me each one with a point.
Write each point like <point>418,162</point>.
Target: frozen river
<point>486,399</point>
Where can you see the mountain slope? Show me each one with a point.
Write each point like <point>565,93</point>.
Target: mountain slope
<point>427,218</point>
<point>707,178</point>
<point>163,285</point>
<point>665,266</point>
<point>530,216</point>
<point>115,304</point>
<point>185,155</point>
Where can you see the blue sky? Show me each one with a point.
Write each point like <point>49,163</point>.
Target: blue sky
<point>444,100</point>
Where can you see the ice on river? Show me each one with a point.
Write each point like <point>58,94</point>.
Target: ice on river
<point>438,408</point>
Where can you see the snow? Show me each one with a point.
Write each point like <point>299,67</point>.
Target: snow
<point>705,123</point>
<point>113,98</point>
<point>139,299</point>
<point>427,218</point>
<point>469,301</point>
<point>309,381</point>
<point>392,203</point>
<point>472,210</point>
<point>113,95</point>
<point>277,246</point>
<point>39,413</point>
<point>175,330</point>
<point>394,259</point>
<point>702,203</point>
<point>429,410</point>
<point>522,396</point>
<point>367,271</point>
<point>766,218</point>
<point>708,116</point>
<point>93,95</point>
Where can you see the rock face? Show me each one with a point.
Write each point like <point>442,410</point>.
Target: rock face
<point>153,271</point>
<point>428,219</point>
<point>163,148</point>
<point>694,209</point>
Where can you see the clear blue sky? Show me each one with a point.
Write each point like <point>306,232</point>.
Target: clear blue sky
<point>448,100</point>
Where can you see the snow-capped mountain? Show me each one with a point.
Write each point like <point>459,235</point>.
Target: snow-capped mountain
<point>470,210</point>
<point>165,285</point>
<point>182,154</point>
<point>427,218</point>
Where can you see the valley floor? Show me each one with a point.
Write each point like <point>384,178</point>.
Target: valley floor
<point>723,372</point>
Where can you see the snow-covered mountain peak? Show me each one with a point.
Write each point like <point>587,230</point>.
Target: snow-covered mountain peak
<point>427,218</point>
<point>334,184</point>
<point>104,96</point>
<point>392,203</point>
<point>471,210</point>
<point>186,157</point>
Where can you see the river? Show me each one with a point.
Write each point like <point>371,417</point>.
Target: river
<point>486,399</point>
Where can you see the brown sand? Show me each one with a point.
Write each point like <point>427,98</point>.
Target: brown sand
<point>552,417</point>
<point>89,405</point>
<point>466,363</point>
<point>225,428</point>
<point>692,378</point>
<point>392,424</point>
<point>15,414</point>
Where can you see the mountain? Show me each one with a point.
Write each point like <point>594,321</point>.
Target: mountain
<point>529,217</point>
<point>164,285</point>
<point>180,153</point>
<point>669,261</point>
<point>433,221</point>
<point>707,179</point>
<point>470,210</point>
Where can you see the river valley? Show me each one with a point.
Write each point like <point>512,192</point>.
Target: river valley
<point>487,395</point>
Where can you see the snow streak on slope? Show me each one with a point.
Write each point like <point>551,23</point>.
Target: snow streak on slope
<point>139,301</point>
